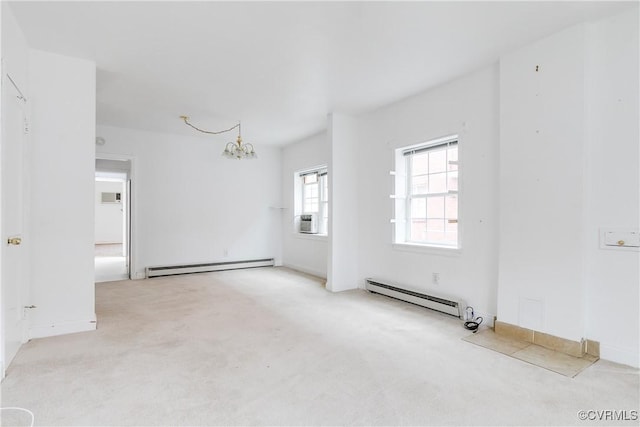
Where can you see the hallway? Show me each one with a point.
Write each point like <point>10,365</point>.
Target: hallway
<point>110,265</point>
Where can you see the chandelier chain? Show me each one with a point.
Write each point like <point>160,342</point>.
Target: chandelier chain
<point>233,150</point>
<point>185,118</point>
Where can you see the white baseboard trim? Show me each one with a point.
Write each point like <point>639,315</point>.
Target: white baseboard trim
<point>62,328</point>
<point>305,270</point>
<point>620,355</point>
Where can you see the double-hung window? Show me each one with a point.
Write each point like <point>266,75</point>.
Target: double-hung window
<point>314,197</point>
<point>429,184</point>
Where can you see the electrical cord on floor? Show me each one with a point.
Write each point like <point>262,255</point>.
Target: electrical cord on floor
<point>472,323</point>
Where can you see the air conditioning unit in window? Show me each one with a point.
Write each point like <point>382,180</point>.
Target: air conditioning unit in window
<point>308,224</point>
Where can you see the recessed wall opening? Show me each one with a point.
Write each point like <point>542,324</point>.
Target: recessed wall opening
<point>311,201</point>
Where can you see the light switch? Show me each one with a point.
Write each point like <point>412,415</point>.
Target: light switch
<point>611,239</point>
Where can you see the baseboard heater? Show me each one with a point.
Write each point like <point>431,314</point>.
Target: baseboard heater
<point>453,308</point>
<point>171,270</point>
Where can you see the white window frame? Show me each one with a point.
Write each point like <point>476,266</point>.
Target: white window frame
<point>323,200</point>
<point>402,214</point>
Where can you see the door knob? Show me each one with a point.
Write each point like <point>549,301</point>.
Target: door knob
<point>14,241</point>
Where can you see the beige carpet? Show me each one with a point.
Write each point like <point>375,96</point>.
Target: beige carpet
<point>272,347</point>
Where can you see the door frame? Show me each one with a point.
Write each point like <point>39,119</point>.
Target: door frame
<point>132,207</point>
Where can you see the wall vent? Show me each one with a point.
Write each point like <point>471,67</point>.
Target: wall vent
<point>171,270</point>
<point>111,197</point>
<point>443,305</point>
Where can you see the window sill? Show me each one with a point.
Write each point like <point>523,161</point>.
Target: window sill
<point>427,249</point>
<point>308,236</point>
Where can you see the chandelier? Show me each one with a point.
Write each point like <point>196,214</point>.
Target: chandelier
<point>233,150</point>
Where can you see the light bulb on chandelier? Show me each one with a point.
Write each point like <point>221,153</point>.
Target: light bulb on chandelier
<point>238,150</point>
<point>233,150</point>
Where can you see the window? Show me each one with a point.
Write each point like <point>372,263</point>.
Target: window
<point>427,184</point>
<point>314,201</point>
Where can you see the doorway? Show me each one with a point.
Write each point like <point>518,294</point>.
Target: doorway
<point>112,220</point>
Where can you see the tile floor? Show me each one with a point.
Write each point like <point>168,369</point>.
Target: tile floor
<point>555,361</point>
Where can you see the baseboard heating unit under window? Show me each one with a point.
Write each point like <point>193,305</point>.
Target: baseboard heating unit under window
<point>454,308</point>
<point>171,270</point>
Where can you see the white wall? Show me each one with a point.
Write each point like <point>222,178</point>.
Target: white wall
<point>63,98</point>
<point>468,107</point>
<point>109,223</point>
<point>191,205</point>
<point>342,265</point>
<point>569,166</point>
<point>15,51</point>
<point>307,253</point>
<point>542,184</point>
<point>116,169</point>
<point>612,276</point>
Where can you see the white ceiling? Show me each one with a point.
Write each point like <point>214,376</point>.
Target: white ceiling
<point>280,67</point>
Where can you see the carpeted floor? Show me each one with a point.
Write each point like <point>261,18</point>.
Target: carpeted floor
<point>271,347</point>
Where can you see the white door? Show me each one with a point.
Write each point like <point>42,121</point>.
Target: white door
<point>13,254</point>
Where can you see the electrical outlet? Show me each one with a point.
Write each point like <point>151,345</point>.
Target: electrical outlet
<point>435,278</point>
